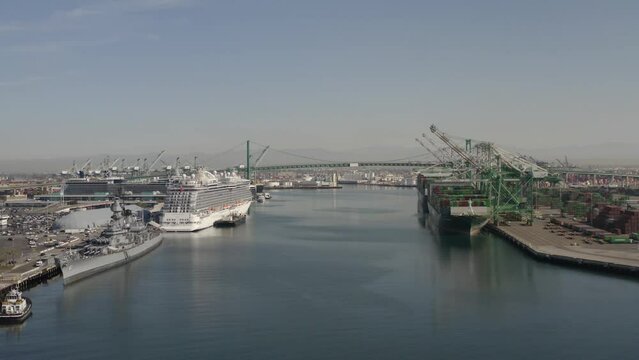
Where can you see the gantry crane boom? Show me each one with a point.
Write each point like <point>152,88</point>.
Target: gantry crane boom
<point>113,163</point>
<point>447,156</point>
<point>429,150</point>
<point>87,163</point>
<point>157,158</point>
<point>461,152</point>
<point>520,164</point>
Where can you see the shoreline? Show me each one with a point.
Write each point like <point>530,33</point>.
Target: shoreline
<point>549,247</point>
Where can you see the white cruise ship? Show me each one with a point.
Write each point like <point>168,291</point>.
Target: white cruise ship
<point>197,201</point>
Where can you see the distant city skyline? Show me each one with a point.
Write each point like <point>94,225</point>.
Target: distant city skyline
<point>138,76</point>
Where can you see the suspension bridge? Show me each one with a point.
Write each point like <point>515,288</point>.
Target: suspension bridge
<point>253,161</point>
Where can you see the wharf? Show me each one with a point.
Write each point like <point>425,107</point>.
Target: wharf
<point>26,276</point>
<point>549,242</point>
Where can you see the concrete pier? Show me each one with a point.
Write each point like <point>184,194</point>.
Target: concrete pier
<point>24,279</point>
<point>549,242</point>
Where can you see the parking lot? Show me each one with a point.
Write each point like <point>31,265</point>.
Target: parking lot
<point>30,238</point>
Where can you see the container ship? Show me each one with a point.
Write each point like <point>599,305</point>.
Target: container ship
<point>125,239</point>
<point>194,202</point>
<point>452,205</point>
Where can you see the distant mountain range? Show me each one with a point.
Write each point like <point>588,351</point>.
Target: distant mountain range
<point>610,154</point>
<point>607,154</point>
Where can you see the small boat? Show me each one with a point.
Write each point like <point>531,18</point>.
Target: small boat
<point>260,198</point>
<point>15,308</point>
<point>267,196</point>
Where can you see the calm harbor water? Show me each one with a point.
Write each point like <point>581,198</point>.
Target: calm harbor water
<point>343,274</point>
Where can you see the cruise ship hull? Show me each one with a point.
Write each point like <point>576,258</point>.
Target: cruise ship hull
<point>187,222</point>
<point>81,269</point>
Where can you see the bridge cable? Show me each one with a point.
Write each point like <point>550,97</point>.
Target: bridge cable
<point>408,158</point>
<point>215,156</point>
<point>296,155</point>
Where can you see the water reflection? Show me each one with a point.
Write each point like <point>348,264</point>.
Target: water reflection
<point>480,272</point>
<point>14,330</point>
<point>301,281</point>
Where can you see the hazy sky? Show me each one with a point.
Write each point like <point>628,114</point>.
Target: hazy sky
<point>186,75</point>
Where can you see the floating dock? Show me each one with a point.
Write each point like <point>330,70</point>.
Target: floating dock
<point>548,242</point>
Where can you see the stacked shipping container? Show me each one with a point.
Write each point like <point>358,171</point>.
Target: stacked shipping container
<point>617,220</point>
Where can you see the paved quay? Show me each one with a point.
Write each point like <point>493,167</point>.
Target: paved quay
<point>18,259</point>
<point>551,242</point>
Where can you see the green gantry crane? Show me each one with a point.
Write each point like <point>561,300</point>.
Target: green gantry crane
<point>505,178</point>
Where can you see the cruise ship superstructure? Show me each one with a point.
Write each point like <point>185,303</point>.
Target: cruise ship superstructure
<point>194,202</point>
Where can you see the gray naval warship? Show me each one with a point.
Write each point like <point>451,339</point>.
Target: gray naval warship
<point>125,239</point>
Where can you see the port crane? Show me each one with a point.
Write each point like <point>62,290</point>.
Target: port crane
<point>112,166</point>
<point>565,164</point>
<point>437,157</point>
<point>465,163</point>
<point>87,166</point>
<point>157,158</point>
<point>167,166</point>
<point>506,178</point>
<point>75,170</point>
<point>70,171</point>
<point>177,164</point>
<point>446,155</point>
<point>113,163</point>
<point>454,147</point>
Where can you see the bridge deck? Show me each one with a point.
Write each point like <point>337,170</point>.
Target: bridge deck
<point>412,164</point>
